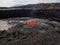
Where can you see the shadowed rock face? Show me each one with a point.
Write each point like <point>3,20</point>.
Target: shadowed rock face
<point>46,32</point>
<point>30,13</point>
<point>36,10</point>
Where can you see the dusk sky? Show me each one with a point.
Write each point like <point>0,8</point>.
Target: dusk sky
<point>10,3</point>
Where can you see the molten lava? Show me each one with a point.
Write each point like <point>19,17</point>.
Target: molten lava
<point>31,22</point>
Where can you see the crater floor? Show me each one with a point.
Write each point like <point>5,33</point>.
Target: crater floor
<point>14,31</point>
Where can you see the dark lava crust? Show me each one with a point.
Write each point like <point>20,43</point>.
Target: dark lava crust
<point>47,33</point>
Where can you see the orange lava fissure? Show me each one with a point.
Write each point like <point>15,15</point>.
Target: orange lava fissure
<point>31,22</point>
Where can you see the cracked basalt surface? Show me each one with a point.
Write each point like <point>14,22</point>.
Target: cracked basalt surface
<point>45,32</point>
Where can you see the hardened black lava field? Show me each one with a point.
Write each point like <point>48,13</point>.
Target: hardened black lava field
<point>46,32</point>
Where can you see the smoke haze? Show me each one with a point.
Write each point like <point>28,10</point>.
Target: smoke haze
<point>11,3</point>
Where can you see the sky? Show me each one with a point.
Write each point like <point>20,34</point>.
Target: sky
<point>10,3</point>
